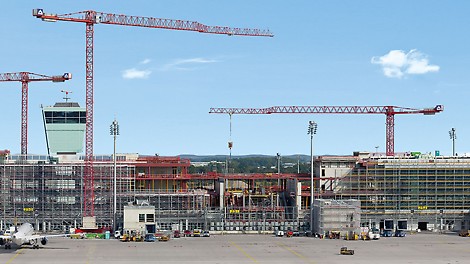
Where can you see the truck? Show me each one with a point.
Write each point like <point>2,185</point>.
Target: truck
<point>374,234</point>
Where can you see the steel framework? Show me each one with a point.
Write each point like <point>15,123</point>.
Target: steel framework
<point>25,78</point>
<point>90,18</point>
<point>389,111</point>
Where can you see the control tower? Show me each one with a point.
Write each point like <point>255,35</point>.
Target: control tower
<point>65,127</point>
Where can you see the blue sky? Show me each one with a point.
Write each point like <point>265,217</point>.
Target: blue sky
<point>160,84</point>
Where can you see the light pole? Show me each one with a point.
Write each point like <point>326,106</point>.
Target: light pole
<point>278,177</point>
<point>312,130</point>
<point>114,131</point>
<point>453,136</point>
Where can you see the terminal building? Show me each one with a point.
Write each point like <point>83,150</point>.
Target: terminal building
<point>431,192</point>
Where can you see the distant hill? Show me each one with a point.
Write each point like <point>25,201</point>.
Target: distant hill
<point>201,158</point>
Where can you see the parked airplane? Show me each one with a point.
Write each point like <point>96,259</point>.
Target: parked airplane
<point>24,236</point>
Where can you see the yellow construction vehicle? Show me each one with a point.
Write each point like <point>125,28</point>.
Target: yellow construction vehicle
<point>351,236</point>
<point>125,238</point>
<point>164,238</point>
<point>346,251</point>
<point>464,233</point>
<point>138,238</point>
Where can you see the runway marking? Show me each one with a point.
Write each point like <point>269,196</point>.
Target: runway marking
<point>244,252</point>
<point>90,253</point>
<point>16,255</point>
<point>295,253</point>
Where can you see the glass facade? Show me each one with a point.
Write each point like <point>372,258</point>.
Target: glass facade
<point>65,127</point>
<point>64,117</point>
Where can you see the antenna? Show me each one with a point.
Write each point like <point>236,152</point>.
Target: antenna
<point>66,98</point>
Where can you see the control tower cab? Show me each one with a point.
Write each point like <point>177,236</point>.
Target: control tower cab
<point>65,128</point>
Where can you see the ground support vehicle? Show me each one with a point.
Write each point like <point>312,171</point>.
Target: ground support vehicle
<point>334,235</point>
<point>196,232</point>
<point>374,234</point>
<point>164,238</point>
<point>464,233</point>
<point>400,233</point>
<point>125,238</point>
<point>387,233</point>
<point>346,251</point>
<point>138,238</point>
<point>150,238</point>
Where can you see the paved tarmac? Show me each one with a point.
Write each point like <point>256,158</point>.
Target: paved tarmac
<point>418,248</point>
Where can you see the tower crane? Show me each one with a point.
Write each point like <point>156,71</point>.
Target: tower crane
<point>25,78</point>
<point>90,18</point>
<point>389,111</point>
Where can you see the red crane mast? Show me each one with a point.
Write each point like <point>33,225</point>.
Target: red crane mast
<point>389,111</point>
<point>25,78</point>
<point>90,18</point>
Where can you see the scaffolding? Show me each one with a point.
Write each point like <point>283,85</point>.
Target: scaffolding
<point>342,216</point>
<point>51,195</point>
<point>432,192</point>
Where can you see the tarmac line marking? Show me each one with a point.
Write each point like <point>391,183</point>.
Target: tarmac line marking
<point>90,253</point>
<point>244,252</point>
<point>295,253</point>
<point>16,255</point>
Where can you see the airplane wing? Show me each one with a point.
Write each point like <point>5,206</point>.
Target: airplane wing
<point>47,236</point>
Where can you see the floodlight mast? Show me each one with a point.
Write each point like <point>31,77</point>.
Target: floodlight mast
<point>453,137</point>
<point>312,131</point>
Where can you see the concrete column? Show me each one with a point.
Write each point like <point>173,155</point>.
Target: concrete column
<point>298,198</point>
<point>221,194</point>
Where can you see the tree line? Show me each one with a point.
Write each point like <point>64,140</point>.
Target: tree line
<point>267,164</point>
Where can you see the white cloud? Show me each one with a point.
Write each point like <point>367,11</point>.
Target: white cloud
<point>186,64</point>
<point>397,63</point>
<point>135,74</point>
<point>146,61</point>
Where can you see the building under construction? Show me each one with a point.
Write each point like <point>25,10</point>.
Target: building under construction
<point>431,192</point>
<point>50,194</point>
<point>50,191</point>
